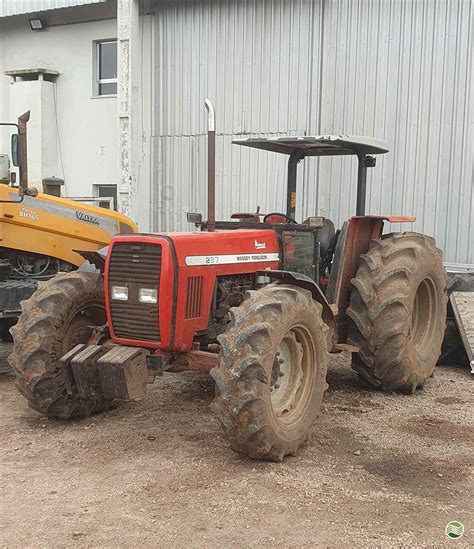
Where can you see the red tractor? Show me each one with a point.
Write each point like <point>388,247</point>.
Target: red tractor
<point>258,302</point>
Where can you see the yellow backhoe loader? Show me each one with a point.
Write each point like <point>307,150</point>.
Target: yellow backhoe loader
<point>39,232</point>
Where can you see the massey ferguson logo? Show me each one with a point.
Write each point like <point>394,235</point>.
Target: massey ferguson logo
<point>87,218</point>
<point>260,245</point>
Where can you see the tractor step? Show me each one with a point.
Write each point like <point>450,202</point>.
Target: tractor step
<point>117,373</point>
<point>463,308</point>
<point>345,348</point>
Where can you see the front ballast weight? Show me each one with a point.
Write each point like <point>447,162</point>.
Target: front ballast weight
<point>116,373</point>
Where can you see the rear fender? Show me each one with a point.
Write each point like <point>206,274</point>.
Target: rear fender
<point>303,281</point>
<point>353,241</point>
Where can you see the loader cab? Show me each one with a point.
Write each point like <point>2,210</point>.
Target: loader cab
<point>19,158</point>
<point>7,161</point>
<point>15,149</point>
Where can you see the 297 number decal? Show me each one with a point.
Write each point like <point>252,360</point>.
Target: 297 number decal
<point>195,260</point>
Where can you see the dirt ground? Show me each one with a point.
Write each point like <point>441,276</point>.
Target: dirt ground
<point>381,471</point>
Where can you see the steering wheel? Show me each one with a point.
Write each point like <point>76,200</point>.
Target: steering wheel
<point>287,217</point>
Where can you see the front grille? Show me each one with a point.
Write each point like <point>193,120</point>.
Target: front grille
<point>135,266</point>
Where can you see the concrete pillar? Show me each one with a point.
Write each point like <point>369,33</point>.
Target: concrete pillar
<point>128,25</point>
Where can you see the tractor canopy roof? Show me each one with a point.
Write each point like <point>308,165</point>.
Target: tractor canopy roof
<point>318,145</point>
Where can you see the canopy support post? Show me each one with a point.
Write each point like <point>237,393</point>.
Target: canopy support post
<point>295,157</point>
<point>365,162</point>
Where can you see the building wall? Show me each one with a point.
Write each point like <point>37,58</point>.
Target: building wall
<point>86,127</point>
<point>401,71</point>
<point>253,61</point>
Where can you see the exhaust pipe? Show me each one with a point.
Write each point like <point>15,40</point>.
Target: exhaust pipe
<point>211,166</point>
<point>23,167</point>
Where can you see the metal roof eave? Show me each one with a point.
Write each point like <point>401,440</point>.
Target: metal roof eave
<point>9,8</point>
<point>318,145</point>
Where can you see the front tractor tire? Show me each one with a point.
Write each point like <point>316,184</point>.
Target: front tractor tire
<point>397,311</point>
<point>271,373</point>
<point>62,313</point>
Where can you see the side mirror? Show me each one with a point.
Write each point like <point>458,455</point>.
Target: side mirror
<point>15,149</point>
<point>195,218</point>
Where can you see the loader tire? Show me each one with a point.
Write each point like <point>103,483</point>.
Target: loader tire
<point>267,402</point>
<point>58,316</point>
<point>397,311</point>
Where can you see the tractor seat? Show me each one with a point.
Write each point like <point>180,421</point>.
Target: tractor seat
<point>326,236</point>
<point>275,218</point>
<point>249,217</point>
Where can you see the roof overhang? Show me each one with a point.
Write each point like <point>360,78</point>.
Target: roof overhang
<point>318,145</point>
<point>32,72</point>
<point>16,7</point>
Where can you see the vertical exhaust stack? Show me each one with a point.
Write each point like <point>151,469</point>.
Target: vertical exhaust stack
<point>211,166</point>
<point>23,168</point>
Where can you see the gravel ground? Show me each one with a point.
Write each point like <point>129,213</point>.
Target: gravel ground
<point>381,471</point>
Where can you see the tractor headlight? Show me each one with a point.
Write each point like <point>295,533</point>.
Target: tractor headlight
<point>148,295</point>
<point>119,293</point>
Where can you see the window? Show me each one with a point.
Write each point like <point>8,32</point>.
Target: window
<point>106,67</point>
<point>300,253</point>
<point>109,192</point>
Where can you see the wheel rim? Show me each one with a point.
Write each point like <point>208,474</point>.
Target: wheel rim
<point>423,318</point>
<point>80,325</point>
<point>290,384</point>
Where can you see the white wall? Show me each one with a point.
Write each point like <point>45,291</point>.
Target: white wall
<point>87,126</point>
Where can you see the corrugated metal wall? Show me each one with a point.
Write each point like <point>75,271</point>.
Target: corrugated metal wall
<point>257,61</point>
<point>400,70</point>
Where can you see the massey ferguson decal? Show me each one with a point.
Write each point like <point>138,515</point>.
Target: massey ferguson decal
<point>197,260</point>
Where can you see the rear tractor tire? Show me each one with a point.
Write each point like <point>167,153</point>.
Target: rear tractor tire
<point>271,373</point>
<point>397,311</point>
<point>62,313</point>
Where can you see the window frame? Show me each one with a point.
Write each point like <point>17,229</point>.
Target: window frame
<point>98,81</point>
<point>96,193</point>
